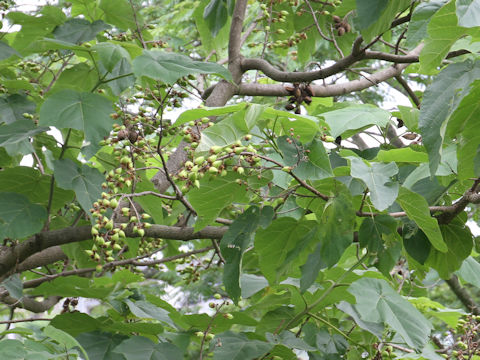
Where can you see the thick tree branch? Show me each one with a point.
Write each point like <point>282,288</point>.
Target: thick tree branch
<point>31,304</point>
<point>463,295</point>
<point>11,257</point>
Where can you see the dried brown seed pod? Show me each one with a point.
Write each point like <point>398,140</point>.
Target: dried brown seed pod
<point>309,90</point>
<point>122,134</point>
<point>289,88</point>
<point>297,111</point>
<point>337,19</point>
<point>289,107</point>
<point>308,100</point>
<point>132,136</point>
<point>347,27</point>
<point>410,136</point>
<point>341,31</point>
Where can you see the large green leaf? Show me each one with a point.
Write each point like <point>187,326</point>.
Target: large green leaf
<point>468,13</point>
<point>141,348</point>
<point>169,67</point>
<point>439,100</point>
<point>121,14</point>
<point>417,28</point>
<point>100,345</point>
<point>84,180</point>
<point>470,271</point>
<point>379,180</point>
<point>374,17</point>
<point>6,51</point>
<point>236,240</point>
<point>15,136</point>
<point>194,114</point>
<point>405,154</point>
<point>223,133</point>
<point>459,241</point>
<point>19,218</point>
<point>443,31</point>
<point>348,120</point>
<point>239,347</point>
<point>83,111</point>
<point>64,339</point>
<point>74,286</point>
<point>12,108</point>
<point>463,125</point>
<point>214,195</point>
<point>416,208</point>
<point>274,243</point>
<point>35,186</point>
<point>216,14</point>
<point>309,162</point>
<point>378,302</point>
<point>372,229</point>
<point>110,54</point>
<point>77,31</point>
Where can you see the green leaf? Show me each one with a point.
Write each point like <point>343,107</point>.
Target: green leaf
<point>379,180</point>
<point>223,133</point>
<point>87,112</point>
<point>349,120</point>
<point>121,14</point>
<point>13,349</point>
<point>141,348</point>
<point>216,15</point>
<point>470,271</point>
<point>463,125</point>
<point>251,284</point>
<point>12,108</point>
<point>311,268</point>
<point>110,54</point>
<point>372,229</point>
<point>468,13</point>
<point>378,302</point>
<point>6,51</point>
<point>459,241</point>
<point>417,28</point>
<point>194,114</point>
<point>144,309</point>
<point>372,327</point>
<point>239,347</point>
<point>234,243</point>
<point>417,246</point>
<point>375,17</point>
<point>84,180</point>
<point>13,284</point>
<point>64,339</point>
<point>99,346</point>
<point>409,116</point>
<point>75,286</point>
<point>19,218</point>
<point>169,67</point>
<point>443,31</point>
<point>274,243</point>
<point>405,154</point>
<point>77,31</point>
<point>15,136</point>
<point>213,195</point>
<point>310,162</point>
<point>416,208</point>
<point>35,186</point>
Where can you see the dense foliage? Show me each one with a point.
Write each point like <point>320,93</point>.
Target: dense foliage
<point>223,179</point>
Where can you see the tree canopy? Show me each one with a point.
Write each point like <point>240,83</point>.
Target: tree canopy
<point>222,179</point>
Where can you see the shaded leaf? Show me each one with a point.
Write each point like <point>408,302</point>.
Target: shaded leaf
<point>121,14</point>
<point>19,218</point>
<point>417,27</point>
<point>6,51</point>
<point>141,348</point>
<point>77,31</point>
<point>15,136</point>
<point>239,347</point>
<point>468,13</point>
<point>12,108</point>
<point>236,240</point>
<point>416,208</point>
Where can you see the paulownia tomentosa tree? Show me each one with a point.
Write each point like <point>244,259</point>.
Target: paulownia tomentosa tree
<point>280,191</point>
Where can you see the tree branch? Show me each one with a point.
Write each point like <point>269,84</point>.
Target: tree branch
<point>31,304</point>
<point>463,295</point>
<point>11,256</point>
